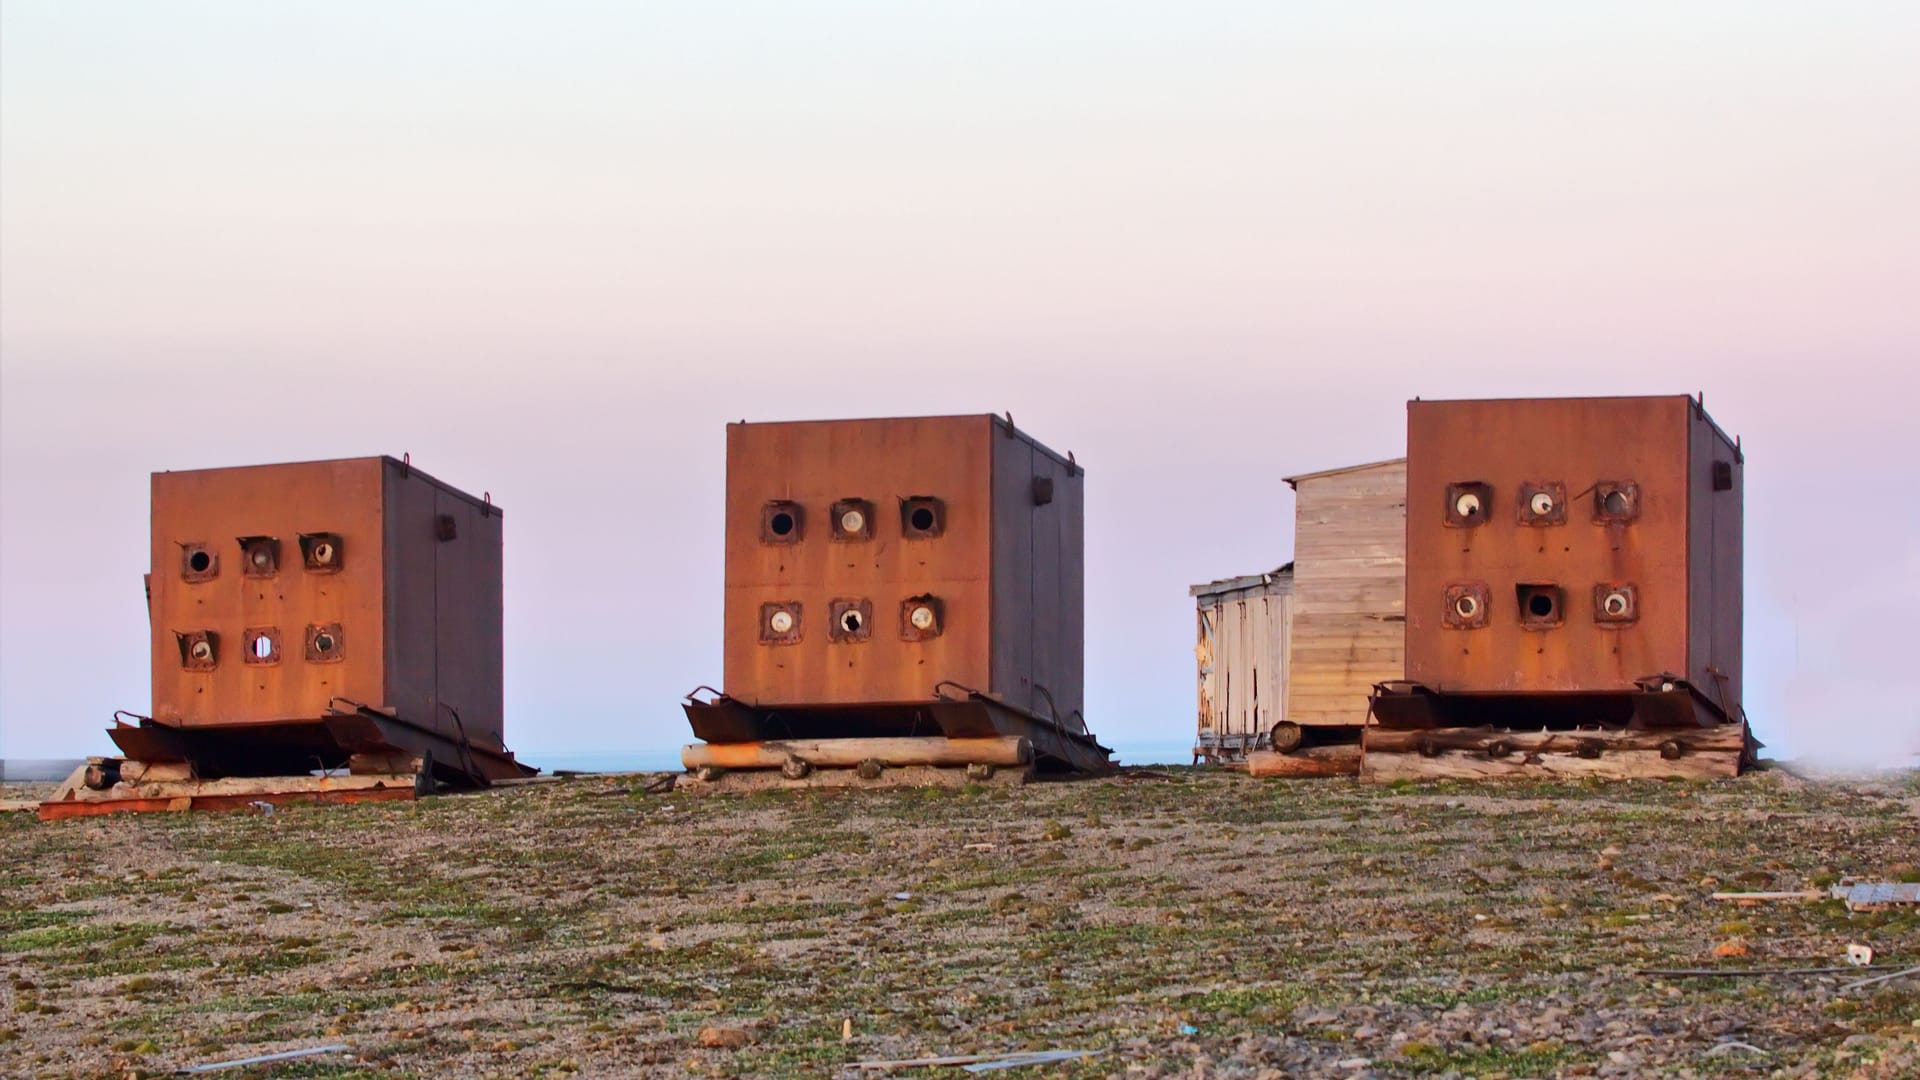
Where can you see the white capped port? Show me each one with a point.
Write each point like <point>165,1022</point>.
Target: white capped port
<point>1467,505</point>
<point>850,621</point>
<point>853,522</point>
<point>323,553</point>
<point>263,647</point>
<point>781,622</point>
<point>262,558</point>
<point>1467,606</point>
<point>921,617</point>
<point>201,651</point>
<point>1616,604</point>
<point>1541,504</point>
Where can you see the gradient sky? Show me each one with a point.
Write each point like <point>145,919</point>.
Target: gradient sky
<point>551,249</point>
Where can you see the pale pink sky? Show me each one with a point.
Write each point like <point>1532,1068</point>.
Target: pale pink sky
<point>1203,246</point>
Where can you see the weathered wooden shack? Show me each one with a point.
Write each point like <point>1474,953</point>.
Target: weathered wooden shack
<point>1348,605</point>
<point>1242,630</point>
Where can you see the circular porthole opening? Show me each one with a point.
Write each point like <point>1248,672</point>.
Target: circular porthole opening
<point>199,562</point>
<point>262,558</point>
<point>850,621</point>
<point>1540,605</point>
<point>781,524</point>
<point>323,643</point>
<point>1467,505</point>
<point>1541,504</point>
<point>781,622</point>
<point>853,522</point>
<point>201,651</point>
<point>922,518</point>
<point>1467,607</point>
<point>1615,503</point>
<point>921,618</point>
<point>323,553</point>
<point>263,647</point>
<point>1616,604</point>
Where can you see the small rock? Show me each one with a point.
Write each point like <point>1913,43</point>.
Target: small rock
<point>1355,1063</point>
<point>731,1038</point>
<point>1731,947</point>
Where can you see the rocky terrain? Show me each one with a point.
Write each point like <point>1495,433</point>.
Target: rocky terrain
<point>1181,922</point>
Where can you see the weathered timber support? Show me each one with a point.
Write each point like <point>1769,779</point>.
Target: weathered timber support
<point>1441,753</point>
<point>149,772</point>
<point>1000,750</point>
<point>1342,760</point>
<point>74,799</point>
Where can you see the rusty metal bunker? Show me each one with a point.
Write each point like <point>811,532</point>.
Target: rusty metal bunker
<point>1570,561</point>
<point>326,615</point>
<point>902,577</point>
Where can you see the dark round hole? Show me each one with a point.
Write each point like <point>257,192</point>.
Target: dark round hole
<point>199,561</point>
<point>323,643</point>
<point>1540,605</point>
<point>1616,502</point>
<point>850,622</point>
<point>782,523</point>
<point>922,519</point>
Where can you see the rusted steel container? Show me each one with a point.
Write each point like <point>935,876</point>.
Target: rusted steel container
<point>898,577</point>
<point>1570,559</point>
<point>307,614</point>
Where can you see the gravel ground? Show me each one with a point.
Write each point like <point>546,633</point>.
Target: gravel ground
<point>1185,923</point>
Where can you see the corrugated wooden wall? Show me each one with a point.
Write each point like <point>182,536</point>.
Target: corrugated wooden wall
<point>1349,591</point>
<point>1243,660</point>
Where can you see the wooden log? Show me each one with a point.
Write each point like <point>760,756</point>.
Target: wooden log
<point>1342,760</point>
<point>143,772</point>
<point>1009,750</point>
